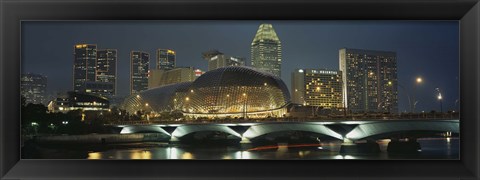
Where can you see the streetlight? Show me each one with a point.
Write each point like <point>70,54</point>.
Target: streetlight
<point>35,126</point>
<point>187,99</point>
<point>419,80</point>
<point>245,105</point>
<point>440,98</point>
<point>408,95</point>
<point>147,113</point>
<point>411,100</point>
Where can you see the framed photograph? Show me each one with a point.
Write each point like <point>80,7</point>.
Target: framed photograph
<point>239,89</point>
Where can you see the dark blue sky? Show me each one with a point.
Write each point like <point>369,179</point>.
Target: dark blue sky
<point>429,49</point>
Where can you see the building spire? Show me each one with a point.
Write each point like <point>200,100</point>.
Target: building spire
<point>266,32</point>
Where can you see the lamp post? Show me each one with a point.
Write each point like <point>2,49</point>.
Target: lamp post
<point>440,98</point>
<point>419,80</point>
<point>412,103</point>
<point>245,105</point>
<point>187,99</point>
<point>408,95</point>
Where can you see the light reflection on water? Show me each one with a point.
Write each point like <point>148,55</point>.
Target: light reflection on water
<point>447,148</point>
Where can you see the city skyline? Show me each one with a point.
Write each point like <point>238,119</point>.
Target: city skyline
<point>421,32</point>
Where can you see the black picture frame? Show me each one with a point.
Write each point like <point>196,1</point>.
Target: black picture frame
<point>12,12</point>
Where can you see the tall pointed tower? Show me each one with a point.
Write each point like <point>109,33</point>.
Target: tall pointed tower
<point>266,50</point>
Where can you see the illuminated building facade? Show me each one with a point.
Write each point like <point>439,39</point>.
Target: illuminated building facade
<point>84,65</point>
<point>107,70</point>
<point>266,50</point>
<point>139,65</point>
<point>165,59</point>
<point>369,80</point>
<point>216,59</point>
<point>34,88</point>
<point>317,87</point>
<point>78,101</point>
<point>164,77</point>
<point>102,89</point>
<point>232,91</point>
<point>198,72</point>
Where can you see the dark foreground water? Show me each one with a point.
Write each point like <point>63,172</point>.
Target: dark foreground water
<point>434,148</point>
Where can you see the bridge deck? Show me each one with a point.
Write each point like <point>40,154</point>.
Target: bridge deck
<point>282,120</point>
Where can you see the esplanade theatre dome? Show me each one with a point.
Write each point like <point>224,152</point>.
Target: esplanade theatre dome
<point>233,91</point>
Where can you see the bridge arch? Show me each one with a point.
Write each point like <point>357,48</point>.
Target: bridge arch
<point>143,128</point>
<point>188,129</point>
<point>263,129</point>
<point>372,129</point>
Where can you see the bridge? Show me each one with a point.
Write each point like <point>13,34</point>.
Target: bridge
<point>349,131</point>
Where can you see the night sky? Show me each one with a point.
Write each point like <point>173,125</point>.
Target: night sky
<point>429,49</point>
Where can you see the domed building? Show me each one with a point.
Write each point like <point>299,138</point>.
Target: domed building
<point>233,91</point>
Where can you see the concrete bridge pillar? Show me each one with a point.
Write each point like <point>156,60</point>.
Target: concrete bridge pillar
<point>350,147</point>
<point>245,140</point>
<point>174,140</point>
<point>245,143</point>
<point>347,141</point>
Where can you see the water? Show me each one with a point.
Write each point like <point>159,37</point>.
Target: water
<point>433,148</point>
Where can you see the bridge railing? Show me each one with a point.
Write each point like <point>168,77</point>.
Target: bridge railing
<point>361,117</point>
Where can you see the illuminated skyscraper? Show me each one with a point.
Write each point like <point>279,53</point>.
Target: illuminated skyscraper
<point>139,65</point>
<point>266,50</point>
<point>107,68</point>
<point>317,87</point>
<point>84,65</point>
<point>369,80</point>
<point>34,88</point>
<point>216,59</point>
<point>165,59</point>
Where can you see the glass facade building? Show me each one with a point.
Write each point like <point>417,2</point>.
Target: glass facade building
<point>34,88</point>
<point>223,92</point>
<point>78,101</point>
<point>165,59</point>
<point>107,69</point>
<point>369,80</point>
<point>217,59</point>
<point>84,65</point>
<point>317,87</point>
<point>266,50</point>
<point>139,69</point>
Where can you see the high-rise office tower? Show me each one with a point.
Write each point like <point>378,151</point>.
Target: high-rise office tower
<point>266,50</point>
<point>107,68</point>
<point>369,80</point>
<point>139,65</point>
<point>217,59</point>
<point>84,65</point>
<point>317,87</point>
<point>165,59</point>
<point>34,88</point>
